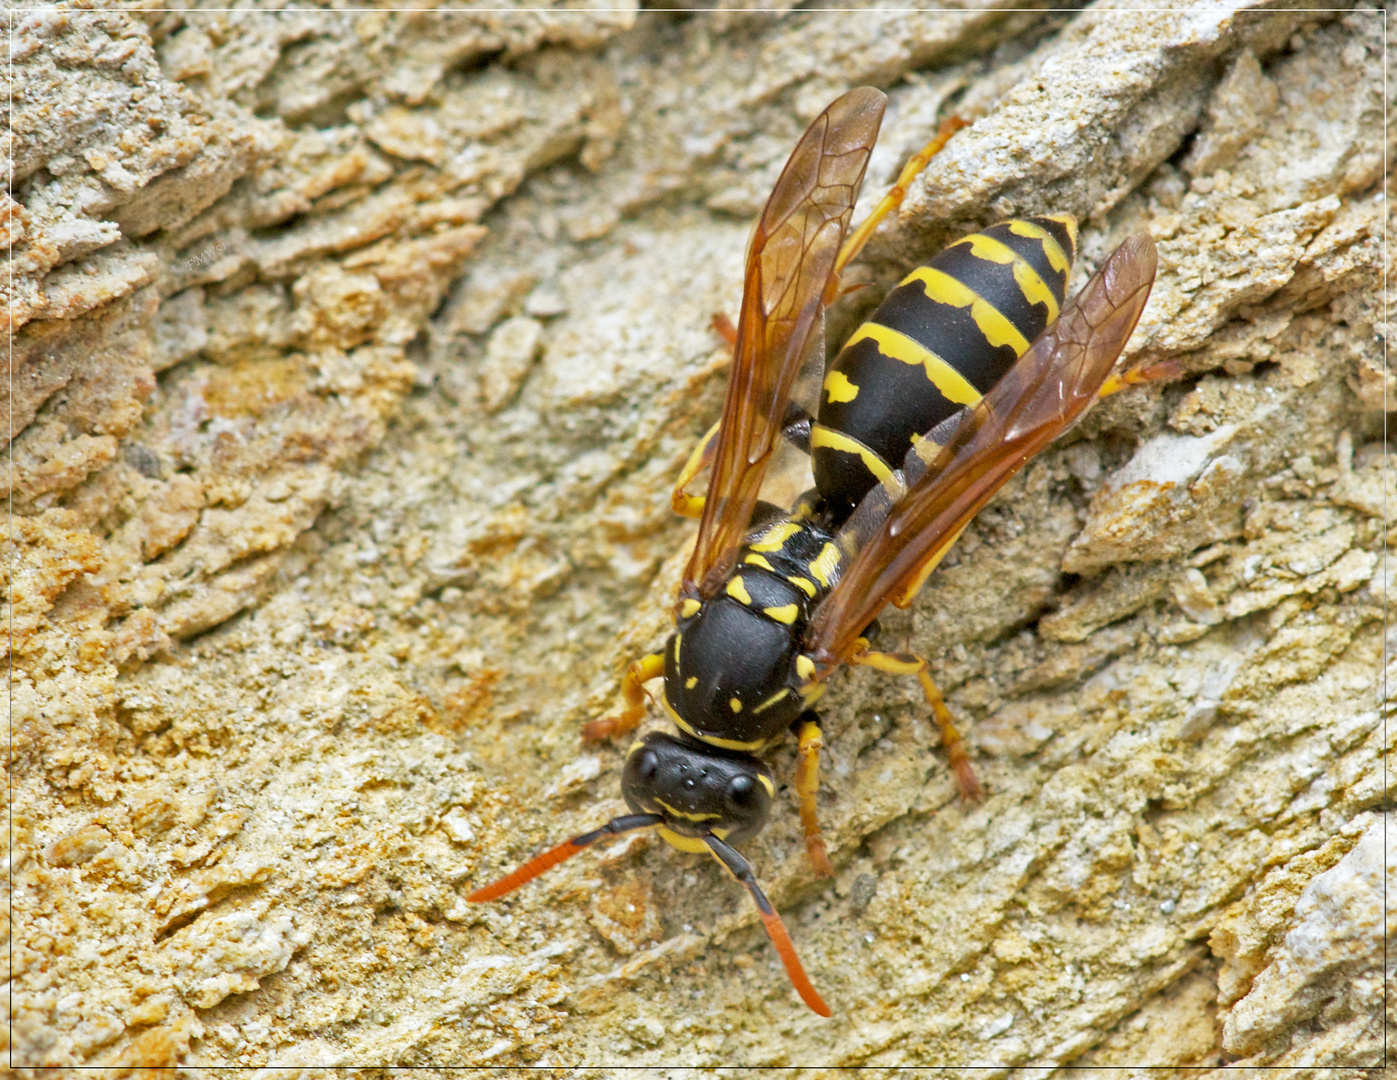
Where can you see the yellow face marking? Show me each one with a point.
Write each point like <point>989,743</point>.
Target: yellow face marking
<point>839,388</point>
<point>689,608</point>
<point>752,747</point>
<point>1057,258</point>
<point>637,745</point>
<point>774,539</point>
<point>734,704</point>
<point>686,816</point>
<point>898,346</point>
<point>766,783</point>
<point>837,440</point>
<point>786,613</point>
<point>823,568</point>
<point>691,682</point>
<point>805,667</point>
<point>737,590</point>
<point>759,560</point>
<point>692,844</point>
<point>805,585</point>
<point>944,289</point>
<point>779,696</point>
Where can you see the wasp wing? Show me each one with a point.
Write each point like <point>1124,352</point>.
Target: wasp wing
<point>902,528</point>
<point>789,282</point>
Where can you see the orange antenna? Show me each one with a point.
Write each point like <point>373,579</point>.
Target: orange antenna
<point>553,856</point>
<point>741,869</point>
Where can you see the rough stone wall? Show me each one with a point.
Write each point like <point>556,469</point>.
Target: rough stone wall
<point>353,356</point>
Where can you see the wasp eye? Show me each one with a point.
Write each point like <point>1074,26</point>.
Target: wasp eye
<point>741,793</point>
<point>649,765</point>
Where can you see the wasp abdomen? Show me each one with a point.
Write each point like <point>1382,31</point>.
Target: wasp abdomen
<point>939,341</point>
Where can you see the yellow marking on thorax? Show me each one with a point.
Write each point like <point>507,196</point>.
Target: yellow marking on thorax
<point>759,560</point>
<point>786,613</point>
<point>839,388</point>
<point>1030,284</point>
<point>898,346</point>
<point>824,566</point>
<point>737,590</point>
<point>677,639</point>
<point>805,585</point>
<point>821,436</point>
<point>774,539</point>
<point>735,704</point>
<point>805,667</point>
<point>944,289</point>
<point>752,746</point>
<point>775,698</point>
<point>689,608</point>
<point>1057,258</point>
<point>691,682</point>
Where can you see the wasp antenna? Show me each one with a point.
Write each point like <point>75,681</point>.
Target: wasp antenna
<point>553,856</point>
<point>741,869</point>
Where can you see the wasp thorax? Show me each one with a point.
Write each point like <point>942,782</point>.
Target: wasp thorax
<point>697,789</point>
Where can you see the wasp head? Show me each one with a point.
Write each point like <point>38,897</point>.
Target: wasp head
<point>698,790</point>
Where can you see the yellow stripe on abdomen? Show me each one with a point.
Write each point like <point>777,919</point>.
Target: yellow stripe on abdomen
<point>898,346</point>
<point>944,289</point>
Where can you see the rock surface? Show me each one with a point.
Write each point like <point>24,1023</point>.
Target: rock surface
<point>353,357</point>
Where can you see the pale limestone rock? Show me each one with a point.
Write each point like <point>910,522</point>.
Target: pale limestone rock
<point>355,354</point>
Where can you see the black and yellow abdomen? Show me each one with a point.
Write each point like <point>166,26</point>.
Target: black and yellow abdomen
<point>939,341</point>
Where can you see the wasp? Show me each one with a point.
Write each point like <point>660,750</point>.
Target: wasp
<point>973,364</point>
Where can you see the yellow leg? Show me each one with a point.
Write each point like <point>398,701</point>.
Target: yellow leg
<point>692,505</point>
<point>632,688</point>
<point>893,199</point>
<point>1139,375</point>
<point>807,785</point>
<point>911,664</point>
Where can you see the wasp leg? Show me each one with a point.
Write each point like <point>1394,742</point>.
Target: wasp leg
<point>691,506</point>
<point>795,429</point>
<point>893,199</point>
<point>912,664</point>
<point>639,672</point>
<point>807,785</point>
<point>724,328</point>
<point>1139,376</point>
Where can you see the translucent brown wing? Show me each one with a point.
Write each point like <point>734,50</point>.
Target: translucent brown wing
<point>789,282</point>
<point>904,527</point>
